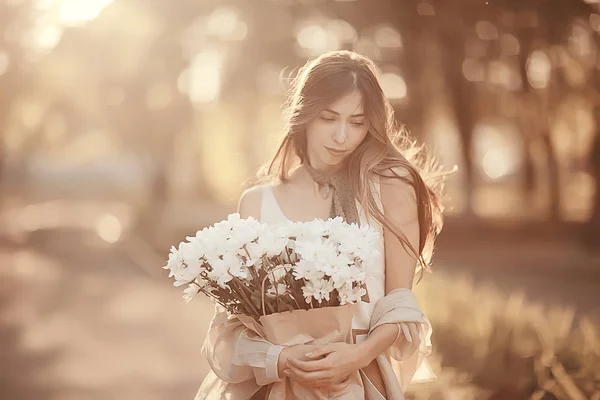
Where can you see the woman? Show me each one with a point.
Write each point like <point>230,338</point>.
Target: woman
<point>341,155</point>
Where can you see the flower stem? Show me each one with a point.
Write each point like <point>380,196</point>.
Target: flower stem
<point>295,301</point>
<point>240,291</point>
<point>216,298</point>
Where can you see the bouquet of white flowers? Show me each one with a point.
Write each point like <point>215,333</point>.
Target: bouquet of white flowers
<point>291,283</point>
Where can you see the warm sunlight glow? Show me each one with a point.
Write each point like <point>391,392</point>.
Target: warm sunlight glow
<point>48,37</point>
<point>224,149</point>
<point>315,39</point>
<point>81,11</point>
<point>539,69</point>
<point>342,30</point>
<point>312,37</point>
<point>387,36</point>
<point>495,163</point>
<point>503,74</point>
<point>473,70</point>
<point>580,42</point>
<point>108,227</point>
<point>205,76</point>
<point>225,22</point>
<point>393,85</point>
<point>486,30</point>
<point>497,149</point>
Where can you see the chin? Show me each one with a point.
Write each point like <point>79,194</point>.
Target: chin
<point>333,162</point>
<point>328,161</point>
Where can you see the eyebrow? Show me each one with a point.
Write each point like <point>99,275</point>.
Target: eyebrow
<point>337,113</point>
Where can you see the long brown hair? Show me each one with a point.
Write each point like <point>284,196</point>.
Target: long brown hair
<point>386,151</point>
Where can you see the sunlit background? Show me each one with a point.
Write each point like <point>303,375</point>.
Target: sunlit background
<point>127,124</point>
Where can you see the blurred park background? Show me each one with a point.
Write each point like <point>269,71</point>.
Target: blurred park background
<point>127,124</point>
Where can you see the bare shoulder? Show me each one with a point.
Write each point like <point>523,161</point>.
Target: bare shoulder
<point>398,195</point>
<point>396,182</point>
<point>250,202</point>
<point>290,186</point>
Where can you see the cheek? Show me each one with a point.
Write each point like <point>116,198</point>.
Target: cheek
<point>316,132</point>
<point>358,136</point>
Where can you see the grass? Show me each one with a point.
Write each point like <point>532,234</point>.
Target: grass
<point>489,346</point>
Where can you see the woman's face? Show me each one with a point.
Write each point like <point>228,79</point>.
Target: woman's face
<point>336,132</point>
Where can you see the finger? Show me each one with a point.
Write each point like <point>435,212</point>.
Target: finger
<point>293,373</point>
<point>312,379</point>
<point>341,380</point>
<point>321,351</point>
<point>338,387</point>
<point>303,376</point>
<point>310,366</point>
<point>415,338</point>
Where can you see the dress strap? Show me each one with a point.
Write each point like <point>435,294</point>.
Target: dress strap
<point>270,211</point>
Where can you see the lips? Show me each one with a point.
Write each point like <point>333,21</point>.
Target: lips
<point>335,151</point>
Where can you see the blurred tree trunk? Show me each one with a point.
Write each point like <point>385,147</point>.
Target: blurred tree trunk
<point>591,234</point>
<point>528,121</point>
<point>461,92</point>
<point>556,18</point>
<point>553,177</point>
<point>460,96</point>
<point>536,126</point>
<point>411,25</point>
<point>15,20</point>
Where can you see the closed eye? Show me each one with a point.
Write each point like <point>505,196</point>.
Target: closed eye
<point>328,119</point>
<point>357,123</point>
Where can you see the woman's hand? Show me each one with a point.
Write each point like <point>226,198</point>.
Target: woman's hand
<point>293,352</point>
<point>328,366</point>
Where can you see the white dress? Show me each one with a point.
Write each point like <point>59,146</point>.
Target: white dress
<point>271,213</point>
<point>241,363</point>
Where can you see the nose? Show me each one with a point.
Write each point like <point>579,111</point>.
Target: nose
<point>339,136</point>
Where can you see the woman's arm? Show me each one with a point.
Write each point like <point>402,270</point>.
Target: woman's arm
<point>400,207</point>
<point>234,352</point>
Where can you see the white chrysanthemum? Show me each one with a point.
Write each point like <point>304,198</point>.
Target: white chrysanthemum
<point>279,289</point>
<point>307,270</point>
<point>326,258</point>
<point>309,231</point>
<point>309,249</point>
<point>189,268</point>
<point>229,223</point>
<point>175,261</point>
<point>351,295</point>
<point>319,290</point>
<point>279,272</point>
<point>219,272</point>
<point>359,241</point>
<point>199,247</point>
<point>348,274</point>
<point>253,252</point>
<point>213,243</point>
<point>190,292</point>
<point>245,231</point>
<point>235,266</point>
<point>273,241</point>
<point>333,226</point>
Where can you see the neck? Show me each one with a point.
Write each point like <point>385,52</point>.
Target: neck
<point>325,170</point>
